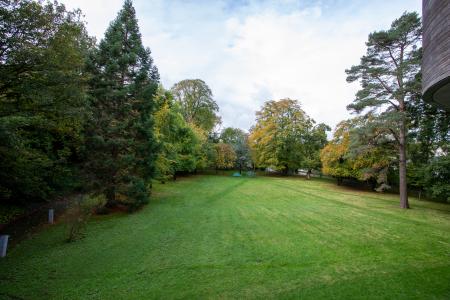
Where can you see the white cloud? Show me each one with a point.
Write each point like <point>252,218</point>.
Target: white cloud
<point>98,14</point>
<point>258,51</point>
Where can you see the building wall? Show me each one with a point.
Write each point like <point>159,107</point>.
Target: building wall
<point>436,42</point>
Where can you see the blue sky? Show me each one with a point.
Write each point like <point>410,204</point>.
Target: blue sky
<point>252,51</point>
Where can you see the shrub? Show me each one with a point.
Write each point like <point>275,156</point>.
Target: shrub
<point>79,214</point>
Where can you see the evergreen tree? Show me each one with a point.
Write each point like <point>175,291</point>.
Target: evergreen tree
<point>121,143</point>
<point>387,73</point>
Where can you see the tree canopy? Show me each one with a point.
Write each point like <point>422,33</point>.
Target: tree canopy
<point>225,156</point>
<point>346,157</point>
<point>42,99</point>
<point>197,103</point>
<point>238,139</point>
<point>285,137</point>
<point>179,142</point>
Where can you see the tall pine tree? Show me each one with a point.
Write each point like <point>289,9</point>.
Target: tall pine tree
<point>387,74</point>
<point>121,143</point>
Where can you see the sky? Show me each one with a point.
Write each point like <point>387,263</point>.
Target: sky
<point>249,51</point>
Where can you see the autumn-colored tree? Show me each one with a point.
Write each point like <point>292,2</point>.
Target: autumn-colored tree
<point>334,153</point>
<point>225,156</point>
<point>345,157</point>
<point>284,136</point>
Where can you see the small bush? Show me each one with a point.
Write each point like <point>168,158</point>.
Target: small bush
<point>137,195</point>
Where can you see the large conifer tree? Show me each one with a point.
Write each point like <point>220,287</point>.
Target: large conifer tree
<point>388,74</point>
<point>121,144</point>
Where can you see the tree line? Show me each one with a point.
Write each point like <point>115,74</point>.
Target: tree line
<point>397,138</point>
<point>87,117</point>
<point>79,116</point>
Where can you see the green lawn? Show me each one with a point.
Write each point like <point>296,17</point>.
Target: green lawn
<point>225,237</point>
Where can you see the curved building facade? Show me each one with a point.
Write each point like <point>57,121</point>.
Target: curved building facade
<point>436,52</point>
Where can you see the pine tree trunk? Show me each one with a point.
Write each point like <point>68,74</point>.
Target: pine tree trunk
<point>402,167</point>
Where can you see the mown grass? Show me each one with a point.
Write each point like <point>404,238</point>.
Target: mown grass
<point>225,237</point>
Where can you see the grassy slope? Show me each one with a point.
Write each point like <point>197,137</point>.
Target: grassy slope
<point>224,237</point>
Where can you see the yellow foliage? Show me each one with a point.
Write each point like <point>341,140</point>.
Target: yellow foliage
<point>225,156</point>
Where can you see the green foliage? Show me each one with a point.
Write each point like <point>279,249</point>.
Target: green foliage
<point>388,75</point>
<point>238,139</point>
<point>180,145</point>
<point>432,177</point>
<point>429,140</point>
<point>42,98</point>
<point>122,146</point>
<point>8,212</point>
<point>197,104</point>
<point>437,177</point>
<point>315,140</point>
<point>388,71</point>
<point>285,138</point>
<point>205,153</point>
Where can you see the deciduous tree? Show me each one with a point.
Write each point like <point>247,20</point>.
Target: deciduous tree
<point>238,139</point>
<point>346,156</point>
<point>225,156</point>
<point>316,140</point>
<point>179,144</point>
<point>43,104</point>
<point>197,103</point>
<point>428,148</point>
<point>283,136</point>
